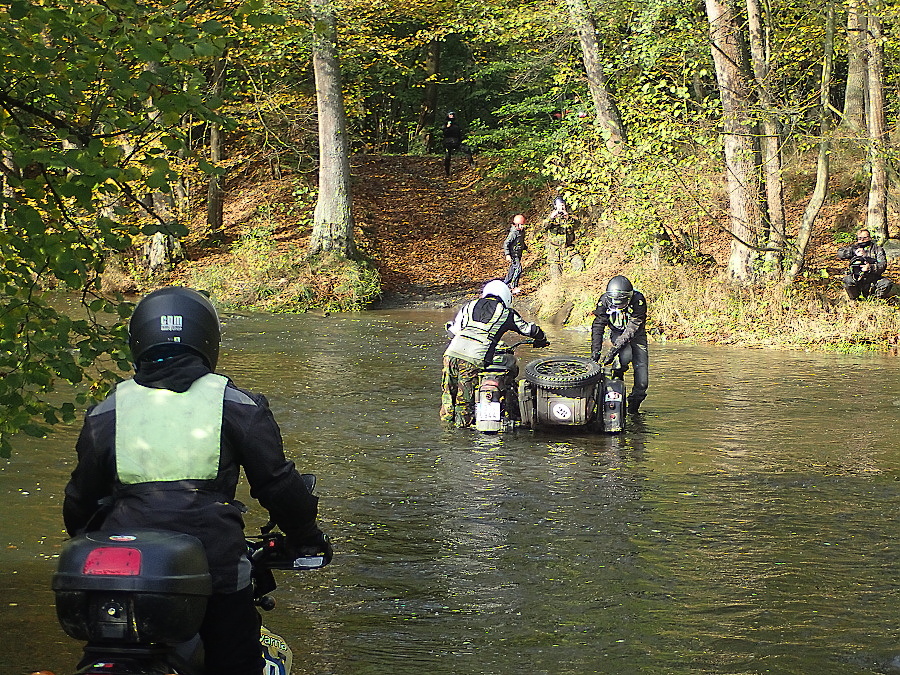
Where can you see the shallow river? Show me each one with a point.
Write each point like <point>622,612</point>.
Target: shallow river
<point>747,523</point>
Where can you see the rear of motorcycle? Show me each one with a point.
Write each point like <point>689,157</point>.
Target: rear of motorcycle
<point>138,599</point>
<point>134,597</point>
<point>611,401</point>
<point>496,408</point>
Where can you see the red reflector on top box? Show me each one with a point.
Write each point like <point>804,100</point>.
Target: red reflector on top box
<point>113,561</point>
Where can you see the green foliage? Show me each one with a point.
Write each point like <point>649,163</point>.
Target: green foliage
<point>79,149</point>
<point>264,275</point>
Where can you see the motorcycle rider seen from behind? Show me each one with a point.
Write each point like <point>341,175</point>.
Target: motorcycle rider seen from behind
<point>623,311</point>
<point>476,330</point>
<point>165,451</point>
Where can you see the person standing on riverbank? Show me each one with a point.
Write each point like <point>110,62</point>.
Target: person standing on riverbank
<point>623,310</point>
<point>165,450</point>
<point>868,262</point>
<point>476,330</point>
<point>559,228</point>
<point>513,247</point>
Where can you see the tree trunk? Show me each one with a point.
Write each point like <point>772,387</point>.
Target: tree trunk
<point>770,141</point>
<point>607,115</point>
<point>215,194</point>
<point>333,218</point>
<point>425,127</point>
<point>876,213</point>
<point>743,192</point>
<point>855,91</point>
<point>161,250</point>
<point>823,168</point>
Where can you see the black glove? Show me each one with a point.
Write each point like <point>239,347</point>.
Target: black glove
<point>540,340</point>
<point>596,356</point>
<point>311,545</point>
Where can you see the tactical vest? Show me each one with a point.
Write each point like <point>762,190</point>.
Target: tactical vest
<point>164,435</point>
<point>476,338</point>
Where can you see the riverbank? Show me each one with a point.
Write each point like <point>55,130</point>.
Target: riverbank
<point>431,241</point>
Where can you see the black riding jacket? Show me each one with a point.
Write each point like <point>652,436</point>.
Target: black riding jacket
<point>624,325</point>
<point>514,244</point>
<point>206,509</point>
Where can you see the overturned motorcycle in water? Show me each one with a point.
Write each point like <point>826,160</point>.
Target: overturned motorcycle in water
<point>137,598</point>
<point>556,391</point>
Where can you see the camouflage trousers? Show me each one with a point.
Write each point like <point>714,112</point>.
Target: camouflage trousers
<point>459,380</point>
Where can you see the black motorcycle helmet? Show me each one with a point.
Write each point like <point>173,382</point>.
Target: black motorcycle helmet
<point>175,317</point>
<point>619,290</point>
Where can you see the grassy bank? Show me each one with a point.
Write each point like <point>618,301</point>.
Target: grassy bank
<point>689,304</point>
<point>260,274</point>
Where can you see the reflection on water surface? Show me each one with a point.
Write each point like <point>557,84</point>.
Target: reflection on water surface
<point>747,523</point>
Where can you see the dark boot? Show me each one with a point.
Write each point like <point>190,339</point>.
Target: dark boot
<point>634,407</point>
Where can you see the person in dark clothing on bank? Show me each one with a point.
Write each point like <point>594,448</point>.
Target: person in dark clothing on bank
<point>867,265</point>
<point>453,142</point>
<point>165,451</point>
<point>513,248</point>
<point>623,311</point>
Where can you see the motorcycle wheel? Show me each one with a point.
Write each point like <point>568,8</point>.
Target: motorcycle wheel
<point>555,372</point>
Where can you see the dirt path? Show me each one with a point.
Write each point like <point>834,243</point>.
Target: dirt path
<point>431,235</point>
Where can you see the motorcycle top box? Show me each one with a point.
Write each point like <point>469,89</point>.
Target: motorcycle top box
<point>132,587</point>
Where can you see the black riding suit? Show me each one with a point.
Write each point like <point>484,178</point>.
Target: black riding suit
<point>870,283</point>
<point>196,503</point>
<point>453,141</point>
<point>514,246</point>
<point>628,335</point>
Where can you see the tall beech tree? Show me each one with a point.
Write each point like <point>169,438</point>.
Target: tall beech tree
<point>738,132</point>
<point>606,113</point>
<point>333,218</point>
<point>876,209</point>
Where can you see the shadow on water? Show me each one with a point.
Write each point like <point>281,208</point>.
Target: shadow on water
<point>744,523</point>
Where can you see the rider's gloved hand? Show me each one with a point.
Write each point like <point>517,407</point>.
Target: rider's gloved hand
<point>596,356</point>
<point>311,544</point>
<point>540,340</point>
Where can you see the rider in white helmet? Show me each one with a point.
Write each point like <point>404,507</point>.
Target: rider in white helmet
<point>476,330</point>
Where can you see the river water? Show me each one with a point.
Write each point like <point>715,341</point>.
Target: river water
<point>746,523</point>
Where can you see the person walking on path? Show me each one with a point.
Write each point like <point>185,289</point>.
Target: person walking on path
<point>513,247</point>
<point>453,142</point>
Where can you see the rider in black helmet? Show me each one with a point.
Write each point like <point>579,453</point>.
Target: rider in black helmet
<point>624,311</point>
<point>165,451</point>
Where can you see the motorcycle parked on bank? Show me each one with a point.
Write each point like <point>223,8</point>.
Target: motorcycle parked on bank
<point>137,597</point>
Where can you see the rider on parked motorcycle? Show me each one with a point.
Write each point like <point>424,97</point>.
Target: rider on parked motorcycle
<point>624,311</point>
<point>868,263</point>
<point>476,330</point>
<point>165,451</point>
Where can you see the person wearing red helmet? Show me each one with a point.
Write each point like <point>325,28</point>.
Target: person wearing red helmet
<point>513,247</point>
